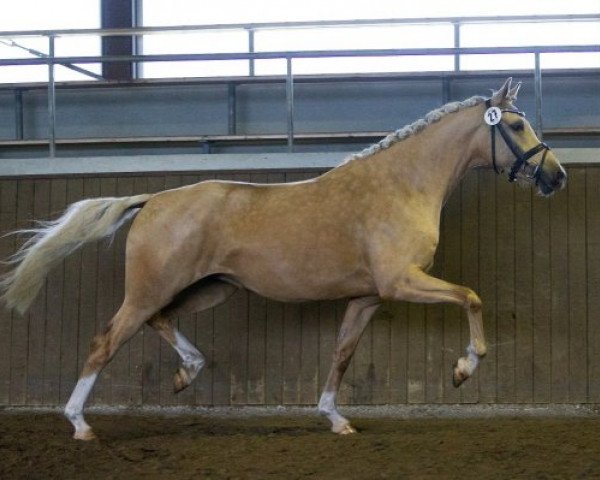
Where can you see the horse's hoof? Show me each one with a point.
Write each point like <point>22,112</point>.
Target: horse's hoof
<point>458,377</point>
<point>344,430</point>
<point>348,430</point>
<point>85,435</point>
<point>181,381</point>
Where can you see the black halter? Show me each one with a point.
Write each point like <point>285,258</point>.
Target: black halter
<point>521,156</point>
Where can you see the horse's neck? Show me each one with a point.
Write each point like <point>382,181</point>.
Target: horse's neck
<point>431,162</point>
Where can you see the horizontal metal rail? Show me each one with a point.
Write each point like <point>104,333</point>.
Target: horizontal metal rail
<point>279,138</point>
<point>308,78</point>
<point>298,54</point>
<point>305,24</point>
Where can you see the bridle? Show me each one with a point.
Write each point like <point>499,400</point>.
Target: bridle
<point>521,156</point>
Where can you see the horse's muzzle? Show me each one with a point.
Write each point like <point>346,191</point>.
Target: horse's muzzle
<point>552,182</point>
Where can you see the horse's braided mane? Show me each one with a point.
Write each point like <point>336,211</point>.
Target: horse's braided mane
<point>416,127</point>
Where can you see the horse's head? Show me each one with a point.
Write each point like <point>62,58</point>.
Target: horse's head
<point>515,148</point>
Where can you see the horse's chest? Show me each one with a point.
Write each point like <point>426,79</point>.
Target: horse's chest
<point>407,243</point>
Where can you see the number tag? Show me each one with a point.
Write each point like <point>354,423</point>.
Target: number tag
<point>492,116</point>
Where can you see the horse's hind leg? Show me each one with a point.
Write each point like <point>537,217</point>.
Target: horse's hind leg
<point>204,294</point>
<point>122,327</point>
<point>192,360</point>
<point>357,316</point>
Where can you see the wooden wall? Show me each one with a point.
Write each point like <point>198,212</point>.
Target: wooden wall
<point>534,261</point>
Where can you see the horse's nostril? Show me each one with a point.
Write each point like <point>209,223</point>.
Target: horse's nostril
<point>561,178</point>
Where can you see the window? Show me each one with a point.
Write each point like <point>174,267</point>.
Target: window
<point>57,14</point>
<point>190,12</point>
<point>81,14</point>
<point>530,34</point>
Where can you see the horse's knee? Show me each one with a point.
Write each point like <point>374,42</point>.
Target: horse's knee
<point>472,301</point>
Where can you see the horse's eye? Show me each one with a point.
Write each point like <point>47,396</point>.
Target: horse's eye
<point>517,126</point>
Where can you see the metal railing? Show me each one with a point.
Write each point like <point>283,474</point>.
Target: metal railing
<point>51,60</point>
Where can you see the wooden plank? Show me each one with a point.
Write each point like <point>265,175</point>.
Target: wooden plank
<point>274,353</point>
<point>309,363</point>
<point>38,322</point>
<point>578,321</point>
<point>398,311</point>
<point>542,299</point>
<point>292,352</point>
<point>221,362</point>
<point>453,315</point>
<point>416,353</point>
<point>8,211</point>
<point>257,321</point>
<point>20,323</point>
<point>380,381</point>
<point>523,297</point>
<point>559,264</point>
<point>238,347</point>
<point>469,255</point>
<point>70,307</point>
<point>488,283</point>
<point>506,290</point>
<point>592,191</point>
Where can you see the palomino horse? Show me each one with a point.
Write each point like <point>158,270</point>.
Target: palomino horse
<point>366,230</point>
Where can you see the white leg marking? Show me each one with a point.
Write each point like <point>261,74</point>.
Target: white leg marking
<point>327,407</point>
<point>468,364</point>
<point>192,359</point>
<point>74,407</point>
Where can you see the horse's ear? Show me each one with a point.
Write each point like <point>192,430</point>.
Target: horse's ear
<point>513,92</point>
<point>499,97</point>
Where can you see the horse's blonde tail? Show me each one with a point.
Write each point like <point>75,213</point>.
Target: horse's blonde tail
<point>52,241</point>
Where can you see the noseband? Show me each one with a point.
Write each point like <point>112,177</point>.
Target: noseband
<point>521,157</point>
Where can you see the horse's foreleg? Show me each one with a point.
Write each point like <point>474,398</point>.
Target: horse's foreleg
<point>423,288</point>
<point>122,327</point>
<point>201,296</point>
<point>357,316</point>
